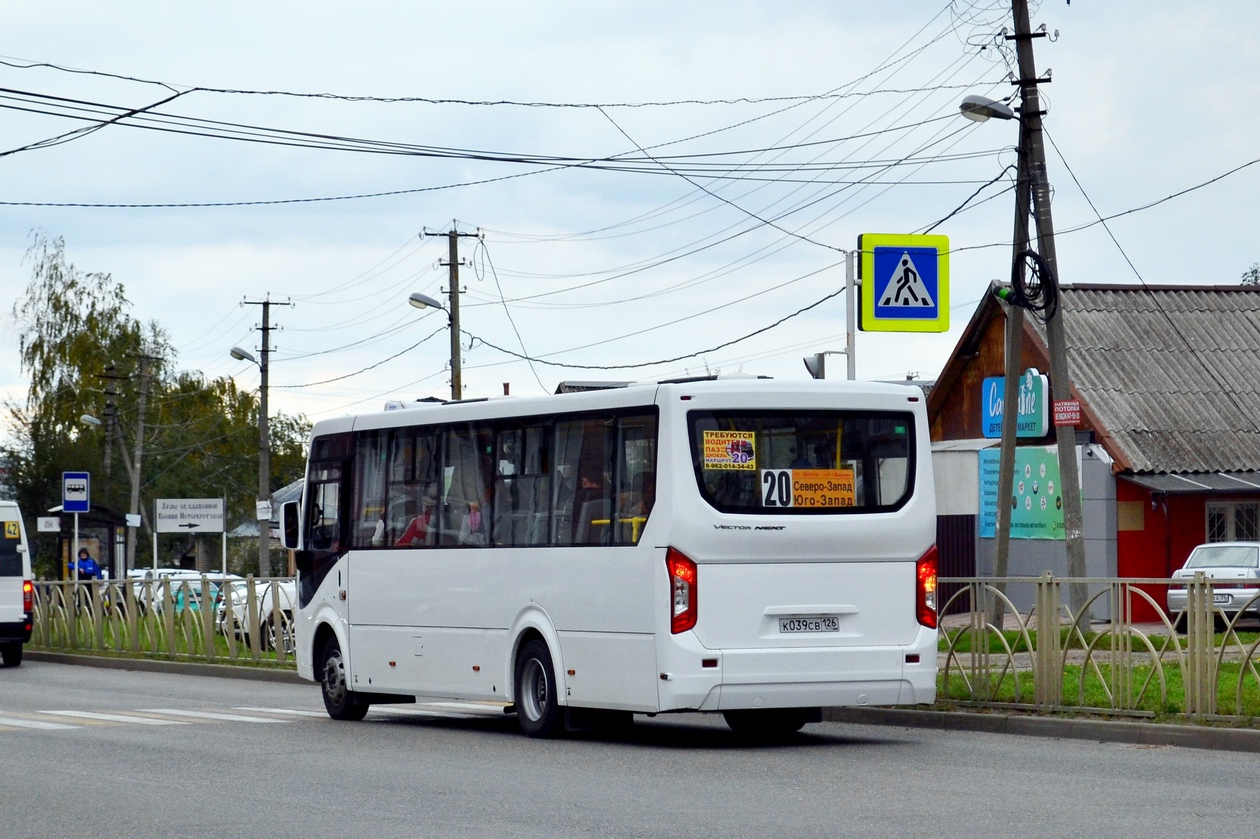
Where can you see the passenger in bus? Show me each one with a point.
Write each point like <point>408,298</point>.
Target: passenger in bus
<point>417,532</point>
<point>472,531</point>
<point>637,503</point>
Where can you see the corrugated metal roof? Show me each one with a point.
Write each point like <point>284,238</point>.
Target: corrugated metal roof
<point>1172,373</point>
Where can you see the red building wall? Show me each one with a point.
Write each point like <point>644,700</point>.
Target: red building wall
<point>1170,529</point>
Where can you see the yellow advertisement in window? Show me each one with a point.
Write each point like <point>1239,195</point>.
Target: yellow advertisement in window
<point>730,450</point>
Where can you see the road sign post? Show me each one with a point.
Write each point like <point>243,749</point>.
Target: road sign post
<point>76,497</point>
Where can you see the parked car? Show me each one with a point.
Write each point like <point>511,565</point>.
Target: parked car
<point>276,602</point>
<point>185,586</point>
<point>1233,568</point>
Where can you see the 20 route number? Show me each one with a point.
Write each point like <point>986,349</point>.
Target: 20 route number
<point>776,486</point>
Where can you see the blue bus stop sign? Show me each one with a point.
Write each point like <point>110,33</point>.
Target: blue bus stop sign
<point>76,492</point>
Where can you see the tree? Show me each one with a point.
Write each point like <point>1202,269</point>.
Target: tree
<point>1252,275</point>
<point>86,354</point>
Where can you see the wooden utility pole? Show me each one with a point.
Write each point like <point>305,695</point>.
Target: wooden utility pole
<point>453,236</point>
<point>1032,146</point>
<point>263,504</point>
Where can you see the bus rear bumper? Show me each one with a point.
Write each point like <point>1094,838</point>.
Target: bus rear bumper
<point>799,677</point>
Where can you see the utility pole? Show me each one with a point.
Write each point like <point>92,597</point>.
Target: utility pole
<point>1032,146</point>
<point>134,472</point>
<point>453,236</point>
<point>262,508</point>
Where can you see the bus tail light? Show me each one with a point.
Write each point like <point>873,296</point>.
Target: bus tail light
<point>925,588</point>
<point>28,596</point>
<point>682,591</point>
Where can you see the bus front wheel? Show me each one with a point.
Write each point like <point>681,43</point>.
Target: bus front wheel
<point>537,708</point>
<point>339,700</point>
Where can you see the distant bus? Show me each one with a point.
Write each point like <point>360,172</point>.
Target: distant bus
<point>756,548</point>
<point>17,586</point>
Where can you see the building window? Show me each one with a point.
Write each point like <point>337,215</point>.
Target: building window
<point>1233,521</point>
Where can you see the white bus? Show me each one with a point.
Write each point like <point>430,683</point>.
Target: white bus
<point>757,548</point>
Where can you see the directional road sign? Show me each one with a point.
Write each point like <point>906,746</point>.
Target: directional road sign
<point>905,283</point>
<point>189,515</point>
<point>76,492</point>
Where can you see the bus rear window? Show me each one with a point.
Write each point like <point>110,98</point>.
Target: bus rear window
<point>803,462</point>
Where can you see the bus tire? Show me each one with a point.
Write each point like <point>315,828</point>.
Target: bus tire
<point>768,723</point>
<point>340,702</point>
<point>537,707</point>
<point>11,653</point>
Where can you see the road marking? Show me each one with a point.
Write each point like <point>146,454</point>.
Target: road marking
<point>90,715</point>
<point>19,723</point>
<point>207,715</point>
<point>293,712</point>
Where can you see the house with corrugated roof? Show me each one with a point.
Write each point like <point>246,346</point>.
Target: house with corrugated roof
<point>1168,380</point>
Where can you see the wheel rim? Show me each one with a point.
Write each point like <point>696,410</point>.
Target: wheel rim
<point>335,678</point>
<point>534,689</point>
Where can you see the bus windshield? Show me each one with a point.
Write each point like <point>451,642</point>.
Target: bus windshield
<point>803,462</point>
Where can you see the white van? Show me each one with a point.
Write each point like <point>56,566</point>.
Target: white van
<point>17,586</point>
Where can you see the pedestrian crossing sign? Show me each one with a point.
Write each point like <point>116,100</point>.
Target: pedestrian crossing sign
<point>905,283</point>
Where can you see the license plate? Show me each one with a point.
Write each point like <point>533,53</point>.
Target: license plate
<point>1221,599</point>
<point>810,623</point>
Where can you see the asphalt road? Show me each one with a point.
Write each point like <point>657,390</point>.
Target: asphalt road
<point>97,753</point>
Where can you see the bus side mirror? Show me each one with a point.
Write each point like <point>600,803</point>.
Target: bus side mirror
<point>289,529</point>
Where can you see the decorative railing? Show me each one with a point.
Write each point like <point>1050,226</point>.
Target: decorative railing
<point>208,618</point>
<point>1201,661</point>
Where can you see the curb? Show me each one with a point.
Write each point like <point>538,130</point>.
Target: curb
<point>218,671</point>
<point>1102,731</point>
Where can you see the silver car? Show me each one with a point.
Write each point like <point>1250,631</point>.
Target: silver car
<point>1233,568</point>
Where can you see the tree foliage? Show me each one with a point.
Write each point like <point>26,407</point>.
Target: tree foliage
<point>1252,275</point>
<point>86,354</point>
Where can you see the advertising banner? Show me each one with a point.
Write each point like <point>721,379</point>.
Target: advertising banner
<point>1036,493</point>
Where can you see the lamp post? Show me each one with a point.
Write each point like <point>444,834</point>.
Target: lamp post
<point>1033,190</point>
<point>262,509</point>
<point>424,301</point>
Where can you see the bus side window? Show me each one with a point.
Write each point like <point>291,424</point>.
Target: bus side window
<point>636,481</point>
<point>466,510</point>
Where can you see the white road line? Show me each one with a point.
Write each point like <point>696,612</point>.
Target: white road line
<point>18,723</point>
<point>90,715</point>
<point>206,715</point>
<point>292,712</point>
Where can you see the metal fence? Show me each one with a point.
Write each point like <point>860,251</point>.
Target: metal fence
<point>207,618</point>
<point>1047,656</point>
<point>1200,662</point>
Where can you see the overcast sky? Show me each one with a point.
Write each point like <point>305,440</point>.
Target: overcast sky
<point>764,137</point>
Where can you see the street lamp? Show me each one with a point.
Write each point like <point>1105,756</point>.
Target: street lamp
<point>981,108</point>
<point>424,301</point>
<point>262,508</point>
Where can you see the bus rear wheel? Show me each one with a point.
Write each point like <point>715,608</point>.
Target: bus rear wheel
<point>537,709</point>
<point>340,702</point>
<point>769,723</point>
<point>11,653</point>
